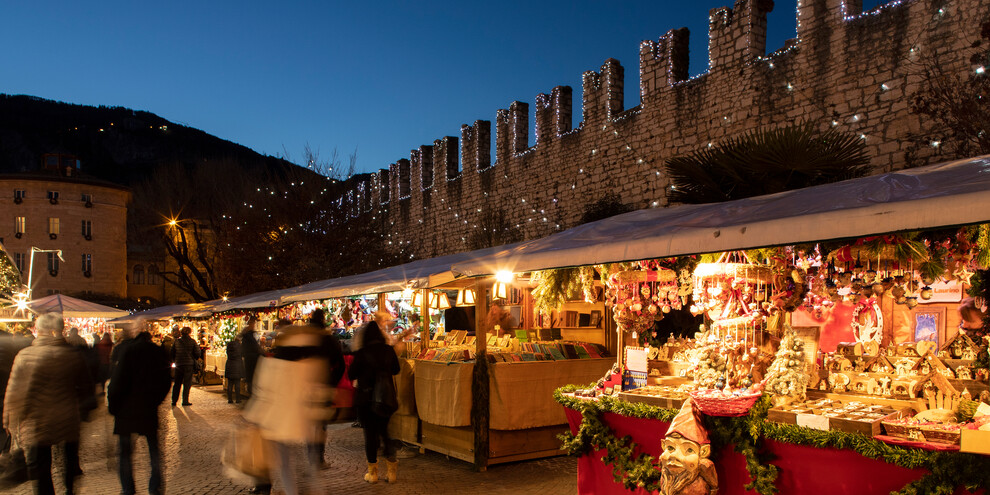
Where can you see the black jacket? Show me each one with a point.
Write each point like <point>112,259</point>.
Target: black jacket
<point>375,356</point>
<point>185,351</point>
<point>139,384</point>
<point>251,351</point>
<point>234,367</point>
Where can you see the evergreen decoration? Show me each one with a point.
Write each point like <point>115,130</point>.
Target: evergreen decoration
<point>10,277</point>
<point>554,287</point>
<point>227,330</point>
<point>788,376</point>
<point>948,470</point>
<point>767,161</point>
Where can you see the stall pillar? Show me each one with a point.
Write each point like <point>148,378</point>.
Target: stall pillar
<point>381,302</point>
<point>480,387</point>
<point>424,318</point>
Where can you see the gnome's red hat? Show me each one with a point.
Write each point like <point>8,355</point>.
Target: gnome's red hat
<point>688,425</point>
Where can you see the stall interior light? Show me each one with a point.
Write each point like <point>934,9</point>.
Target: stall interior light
<point>465,297</point>
<point>418,299</point>
<point>504,276</point>
<point>500,290</point>
<point>442,301</point>
<point>407,293</point>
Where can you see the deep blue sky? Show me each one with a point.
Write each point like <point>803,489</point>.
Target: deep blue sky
<point>379,77</point>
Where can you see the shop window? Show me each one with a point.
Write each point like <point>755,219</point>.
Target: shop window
<point>138,277</point>
<point>87,229</point>
<point>154,276</point>
<point>87,265</point>
<point>19,226</point>
<point>19,196</point>
<point>53,264</point>
<point>53,197</point>
<point>53,227</point>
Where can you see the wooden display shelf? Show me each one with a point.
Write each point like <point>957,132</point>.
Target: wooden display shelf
<point>916,404</point>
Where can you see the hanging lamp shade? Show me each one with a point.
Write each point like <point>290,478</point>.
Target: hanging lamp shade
<point>418,299</point>
<point>443,302</point>
<point>500,290</point>
<point>465,297</point>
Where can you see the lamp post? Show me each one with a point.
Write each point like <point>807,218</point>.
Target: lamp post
<point>58,252</point>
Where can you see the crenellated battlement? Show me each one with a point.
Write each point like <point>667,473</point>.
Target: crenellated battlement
<point>847,68</point>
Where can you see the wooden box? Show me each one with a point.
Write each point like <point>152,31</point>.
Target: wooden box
<point>653,400</point>
<point>975,441</point>
<point>821,418</point>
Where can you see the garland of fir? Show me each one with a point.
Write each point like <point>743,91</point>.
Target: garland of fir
<point>948,470</point>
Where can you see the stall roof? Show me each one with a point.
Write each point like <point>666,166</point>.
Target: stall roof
<point>946,194</point>
<point>71,307</point>
<point>193,310</point>
<point>418,274</point>
<point>266,299</point>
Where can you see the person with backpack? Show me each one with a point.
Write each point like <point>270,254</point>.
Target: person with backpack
<point>374,365</point>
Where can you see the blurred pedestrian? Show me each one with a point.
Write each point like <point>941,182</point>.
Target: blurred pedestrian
<point>374,365</point>
<point>8,349</point>
<point>185,355</point>
<point>250,349</point>
<point>290,393</point>
<point>234,370</point>
<point>139,383</point>
<point>75,340</point>
<point>330,351</point>
<point>103,349</point>
<point>48,384</point>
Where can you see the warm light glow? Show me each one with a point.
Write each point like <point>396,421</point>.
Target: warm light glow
<point>444,301</point>
<point>418,299</point>
<point>500,291</point>
<point>465,297</point>
<point>172,222</point>
<point>407,293</point>
<point>504,276</point>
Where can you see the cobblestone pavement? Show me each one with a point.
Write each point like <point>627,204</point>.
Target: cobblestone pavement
<point>193,436</point>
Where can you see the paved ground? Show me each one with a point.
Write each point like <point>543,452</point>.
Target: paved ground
<point>193,437</point>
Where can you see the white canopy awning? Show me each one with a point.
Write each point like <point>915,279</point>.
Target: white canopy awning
<point>71,307</point>
<point>947,194</point>
<point>193,310</point>
<point>416,275</point>
<point>267,299</point>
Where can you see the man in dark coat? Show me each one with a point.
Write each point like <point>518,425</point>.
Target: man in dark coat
<point>139,383</point>
<point>250,349</point>
<point>185,354</point>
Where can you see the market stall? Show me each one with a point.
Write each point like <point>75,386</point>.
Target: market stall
<point>862,351</point>
<point>88,317</point>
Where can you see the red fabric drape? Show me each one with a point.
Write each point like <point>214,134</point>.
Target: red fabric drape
<point>803,469</point>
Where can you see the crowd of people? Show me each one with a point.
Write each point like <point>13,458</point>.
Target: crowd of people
<point>52,379</point>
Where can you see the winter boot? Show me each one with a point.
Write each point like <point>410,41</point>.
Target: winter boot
<point>393,470</point>
<point>372,475</point>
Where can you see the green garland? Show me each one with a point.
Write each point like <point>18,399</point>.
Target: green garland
<point>948,470</point>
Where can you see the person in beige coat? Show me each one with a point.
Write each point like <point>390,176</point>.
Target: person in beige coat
<point>48,384</point>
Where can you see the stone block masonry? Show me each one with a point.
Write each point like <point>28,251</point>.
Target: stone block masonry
<point>853,70</point>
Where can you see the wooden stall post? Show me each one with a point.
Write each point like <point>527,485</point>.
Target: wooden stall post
<point>480,387</point>
<point>381,302</point>
<point>424,319</point>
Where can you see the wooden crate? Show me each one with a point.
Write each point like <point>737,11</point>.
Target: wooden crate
<point>531,443</point>
<point>454,442</point>
<point>404,427</point>
<point>666,402</point>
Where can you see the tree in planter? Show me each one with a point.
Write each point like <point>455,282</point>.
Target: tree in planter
<point>787,377</point>
<point>766,161</point>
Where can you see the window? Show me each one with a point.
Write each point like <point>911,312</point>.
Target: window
<point>52,264</point>
<point>87,229</point>
<point>87,198</point>
<point>53,197</point>
<point>87,264</point>
<point>138,277</point>
<point>19,261</point>
<point>53,225</point>
<point>19,224</point>
<point>154,277</point>
<point>19,195</point>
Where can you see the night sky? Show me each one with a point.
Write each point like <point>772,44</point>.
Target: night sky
<point>378,77</point>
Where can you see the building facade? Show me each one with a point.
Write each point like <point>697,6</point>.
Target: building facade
<point>83,218</point>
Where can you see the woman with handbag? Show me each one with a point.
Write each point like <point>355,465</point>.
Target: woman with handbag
<point>374,365</point>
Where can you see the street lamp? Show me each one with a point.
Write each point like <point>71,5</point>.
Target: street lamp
<point>58,252</point>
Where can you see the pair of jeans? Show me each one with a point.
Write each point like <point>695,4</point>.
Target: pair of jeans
<point>233,389</point>
<point>126,467</point>
<point>183,379</point>
<point>290,483</point>
<point>375,430</point>
<point>39,467</point>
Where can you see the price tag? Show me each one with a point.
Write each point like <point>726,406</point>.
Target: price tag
<point>813,421</point>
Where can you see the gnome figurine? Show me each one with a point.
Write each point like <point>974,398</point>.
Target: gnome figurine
<point>685,465</point>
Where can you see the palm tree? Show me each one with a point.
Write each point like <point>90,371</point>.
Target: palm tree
<point>766,161</point>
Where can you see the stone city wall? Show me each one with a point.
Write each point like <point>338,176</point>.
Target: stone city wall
<point>854,70</point>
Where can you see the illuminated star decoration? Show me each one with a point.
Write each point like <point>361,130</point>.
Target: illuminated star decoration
<point>963,274</point>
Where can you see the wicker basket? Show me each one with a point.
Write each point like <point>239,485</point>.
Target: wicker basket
<point>725,406</point>
<point>941,435</point>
